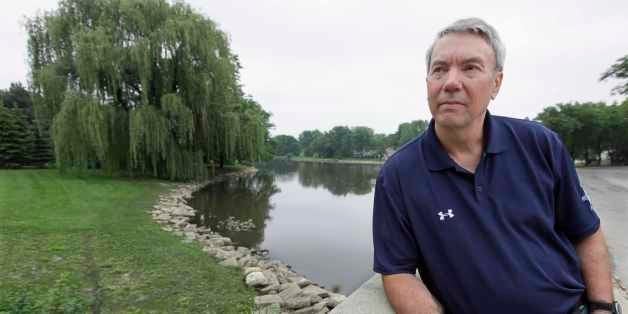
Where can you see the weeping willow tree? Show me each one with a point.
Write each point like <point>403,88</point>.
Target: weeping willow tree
<point>142,86</point>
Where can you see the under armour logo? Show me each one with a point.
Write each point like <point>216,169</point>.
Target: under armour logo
<point>450,213</point>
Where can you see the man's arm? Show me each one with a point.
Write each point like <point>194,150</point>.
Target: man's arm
<point>408,295</point>
<point>596,268</point>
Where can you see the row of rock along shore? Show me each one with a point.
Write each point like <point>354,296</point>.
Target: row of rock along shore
<point>279,288</point>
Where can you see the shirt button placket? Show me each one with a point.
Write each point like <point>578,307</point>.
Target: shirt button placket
<point>479,179</point>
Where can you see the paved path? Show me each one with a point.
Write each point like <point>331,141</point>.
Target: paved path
<point>608,190</point>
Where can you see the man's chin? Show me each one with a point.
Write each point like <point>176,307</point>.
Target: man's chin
<point>451,121</point>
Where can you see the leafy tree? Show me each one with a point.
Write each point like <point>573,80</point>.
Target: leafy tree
<point>286,145</point>
<point>617,133</point>
<point>306,139</point>
<point>619,70</point>
<point>323,147</point>
<point>362,140</point>
<point>340,142</point>
<point>144,86</point>
<point>589,129</point>
<point>409,130</point>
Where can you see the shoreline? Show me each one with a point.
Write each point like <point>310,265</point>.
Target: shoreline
<point>338,161</point>
<point>278,287</point>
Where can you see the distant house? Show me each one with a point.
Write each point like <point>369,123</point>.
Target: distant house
<point>388,152</point>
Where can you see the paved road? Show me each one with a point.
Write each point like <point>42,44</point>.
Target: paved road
<point>608,190</point>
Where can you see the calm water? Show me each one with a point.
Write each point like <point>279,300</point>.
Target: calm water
<point>315,217</point>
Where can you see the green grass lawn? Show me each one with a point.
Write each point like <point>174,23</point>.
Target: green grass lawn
<point>87,244</point>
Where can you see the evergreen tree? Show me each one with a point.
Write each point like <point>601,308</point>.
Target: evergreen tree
<point>16,138</point>
<point>38,149</point>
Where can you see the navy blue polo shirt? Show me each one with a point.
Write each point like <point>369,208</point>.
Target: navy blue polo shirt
<point>500,240</point>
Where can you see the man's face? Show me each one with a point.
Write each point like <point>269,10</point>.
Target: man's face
<point>462,79</point>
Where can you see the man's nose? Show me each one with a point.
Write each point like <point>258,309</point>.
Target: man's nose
<point>453,81</point>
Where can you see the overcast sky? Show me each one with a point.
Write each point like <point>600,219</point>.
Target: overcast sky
<point>315,64</point>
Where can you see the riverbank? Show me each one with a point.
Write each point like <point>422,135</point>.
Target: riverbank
<point>86,244</point>
<point>339,161</point>
<point>279,288</point>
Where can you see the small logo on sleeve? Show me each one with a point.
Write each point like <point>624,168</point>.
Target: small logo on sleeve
<point>585,198</point>
<point>449,214</point>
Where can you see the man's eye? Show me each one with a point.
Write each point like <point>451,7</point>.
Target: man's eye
<point>437,70</point>
<point>471,67</point>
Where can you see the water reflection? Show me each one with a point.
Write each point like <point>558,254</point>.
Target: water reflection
<point>242,198</point>
<point>315,217</point>
<point>339,179</point>
<point>282,169</point>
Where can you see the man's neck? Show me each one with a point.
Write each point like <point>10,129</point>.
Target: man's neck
<point>464,145</point>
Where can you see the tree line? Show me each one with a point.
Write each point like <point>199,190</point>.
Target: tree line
<point>591,130</point>
<point>346,142</point>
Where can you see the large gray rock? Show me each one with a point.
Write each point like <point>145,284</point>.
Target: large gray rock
<point>244,261</point>
<point>267,300</point>
<point>289,291</point>
<point>270,290</point>
<point>272,278</point>
<point>225,254</point>
<point>256,279</point>
<point>335,299</point>
<point>297,302</point>
<point>249,270</point>
<point>190,228</point>
<point>301,281</point>
<point>215,242</point>
<point>316,299</point>
<point>244,251</point>
<point>203,230</point>
<point>231,262</point>
<point>180,211</point>
<point>252,262</point>
<point>320,307</point>
<point>180,223</point>
<point>314,290</point>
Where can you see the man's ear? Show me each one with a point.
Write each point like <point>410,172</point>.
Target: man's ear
<point>497,81</point>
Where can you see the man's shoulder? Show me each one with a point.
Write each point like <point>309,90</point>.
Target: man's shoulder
<point>527,131</point>
<point>521,124</point>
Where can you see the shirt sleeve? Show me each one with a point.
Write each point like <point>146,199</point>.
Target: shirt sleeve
<point>395,249</point>
<point>575,214</point>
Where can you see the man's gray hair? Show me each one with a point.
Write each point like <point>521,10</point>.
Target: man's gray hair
<point>476,26</point>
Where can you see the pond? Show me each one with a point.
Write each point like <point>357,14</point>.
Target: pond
<point>315,217</point>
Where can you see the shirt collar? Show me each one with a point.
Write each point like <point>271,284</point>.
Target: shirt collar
<point>437,158</point>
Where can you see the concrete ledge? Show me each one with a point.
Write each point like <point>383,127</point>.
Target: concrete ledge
<point>371,299</point>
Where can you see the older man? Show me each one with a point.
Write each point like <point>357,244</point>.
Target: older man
<point>489,209</point>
